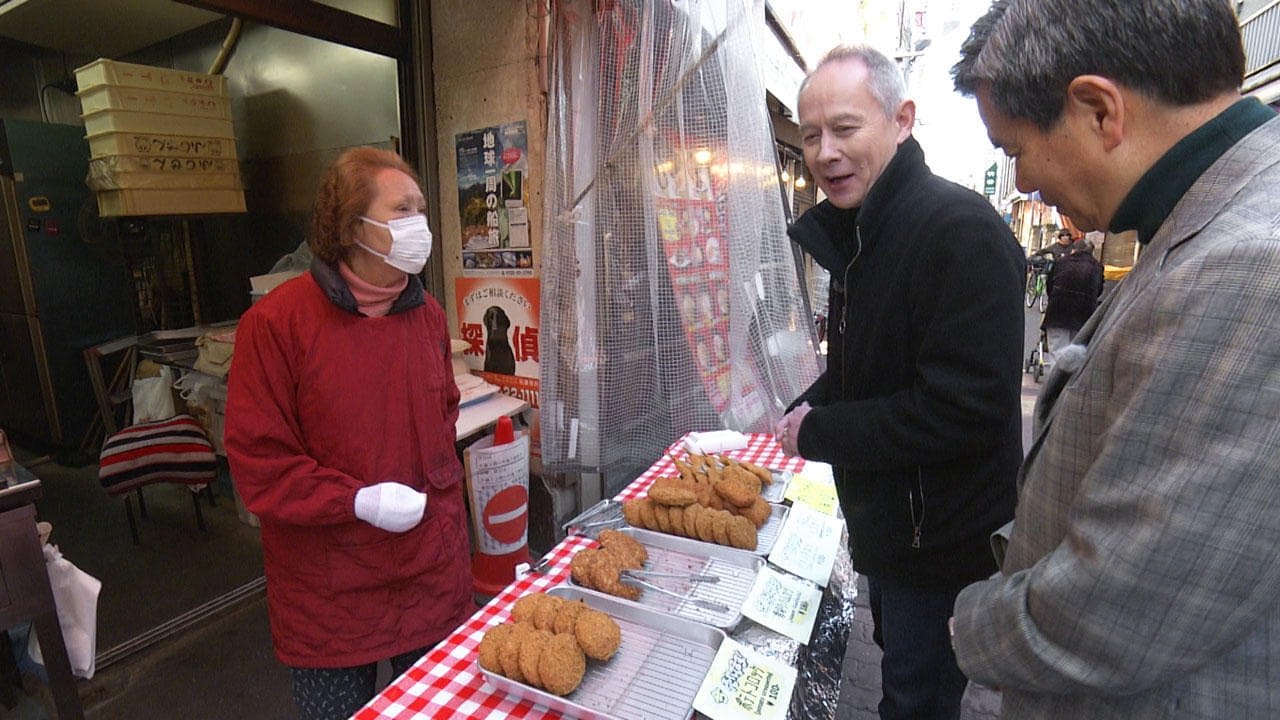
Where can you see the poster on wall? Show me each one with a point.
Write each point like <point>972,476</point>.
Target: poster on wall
<point>493,169</point>
<point>498,319</point>
<point>692,226</point>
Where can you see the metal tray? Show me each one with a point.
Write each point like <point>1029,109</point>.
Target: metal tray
<point>736,569</point>
<point>775,491</point>
<point>765,537</point>
<point>654,675</point>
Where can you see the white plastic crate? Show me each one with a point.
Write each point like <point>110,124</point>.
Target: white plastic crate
<point>162,164</point>
<point>115,203</point>
<point>100,180</point>
<point>114,72</point>
<point>110,97</point>
<point>148,144</point>
<point>103,121</point>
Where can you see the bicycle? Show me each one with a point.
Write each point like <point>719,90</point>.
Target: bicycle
<point>1037,273</point>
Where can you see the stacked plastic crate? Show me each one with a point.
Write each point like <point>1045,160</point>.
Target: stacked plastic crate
<point>160,140</point>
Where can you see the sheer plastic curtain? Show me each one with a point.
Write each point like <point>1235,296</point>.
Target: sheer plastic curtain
<point>670,294</point>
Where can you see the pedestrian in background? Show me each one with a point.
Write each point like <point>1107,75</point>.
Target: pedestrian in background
<point>1073,285</point>
<point>1060,247</point>
<point>341,408</point>
<point>1141,578</point>
<point>919,407</point>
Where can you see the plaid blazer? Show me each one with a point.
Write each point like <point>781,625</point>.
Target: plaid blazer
<point>1142,575</point>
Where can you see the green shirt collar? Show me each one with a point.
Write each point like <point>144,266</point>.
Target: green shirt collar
<point>1156,193</point>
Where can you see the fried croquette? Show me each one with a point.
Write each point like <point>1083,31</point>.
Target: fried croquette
<point>691,515</point>
<point>526,606</point>
<point>746,477</point>
<point>704,494</point>
<point>647,519</point>
<point>491,644</point>
<point>684,468</point>
<point>601,571</point>
<point>722,527</point>
<point>660,514</point>
<point>567,616</point>
<point>509,653</point>
<point>733,491</point>
<point>530,652</point>
<point>580,567</point>
<point>766,477</point>
<point>544,616</point>
<point>597,634</point>
<point>706,532</point>
<point>714,501</point>
<point>606,576</point>
<point>631,513</point>
<point>561,665</point>
<point>742,533</point>
<point>627,548</point>
<point>675,515</point>
<point>758,512</point>
<point>672,491</point>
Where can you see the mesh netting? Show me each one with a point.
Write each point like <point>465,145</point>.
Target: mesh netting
<point>671,295</point>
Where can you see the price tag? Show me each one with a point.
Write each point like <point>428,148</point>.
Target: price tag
<point>804,490</point>
<point>784,604</point>
<point>807,544</point>
<point>743,684</point>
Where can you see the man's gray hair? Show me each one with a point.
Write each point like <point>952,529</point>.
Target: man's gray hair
<point>1026,52</point>
<point>886,78</point>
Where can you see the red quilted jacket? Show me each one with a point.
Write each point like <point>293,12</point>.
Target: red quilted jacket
<point>321,402</point>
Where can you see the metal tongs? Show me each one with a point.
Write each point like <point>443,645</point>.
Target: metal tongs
<point>642,574</point>
<point>605,512</point>
<point>704,604</point>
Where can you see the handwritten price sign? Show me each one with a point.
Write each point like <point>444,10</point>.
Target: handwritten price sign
<point>784,604</point>
<point>742,684</point>
<point>808,544</point>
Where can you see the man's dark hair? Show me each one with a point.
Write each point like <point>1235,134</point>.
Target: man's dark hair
<point>1180,52</point>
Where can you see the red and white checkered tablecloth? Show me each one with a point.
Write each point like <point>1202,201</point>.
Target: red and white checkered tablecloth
<point>446,683</point>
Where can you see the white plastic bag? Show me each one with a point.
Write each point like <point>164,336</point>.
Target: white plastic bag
<point>152,398</point>
<point>196,387</point>
<point>75,594</point>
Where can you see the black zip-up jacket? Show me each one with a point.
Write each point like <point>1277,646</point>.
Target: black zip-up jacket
<point>919,409</point>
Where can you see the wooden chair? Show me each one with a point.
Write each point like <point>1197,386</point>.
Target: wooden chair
<point>119,359</point>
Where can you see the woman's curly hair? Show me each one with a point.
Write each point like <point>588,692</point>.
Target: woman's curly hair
<point>346,189</point>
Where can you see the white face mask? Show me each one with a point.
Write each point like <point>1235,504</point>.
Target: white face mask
<point>410,243</point>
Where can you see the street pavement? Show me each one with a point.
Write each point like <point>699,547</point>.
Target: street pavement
<point>860,684</point>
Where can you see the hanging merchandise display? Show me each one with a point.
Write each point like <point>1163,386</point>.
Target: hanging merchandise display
<point>497,468</point>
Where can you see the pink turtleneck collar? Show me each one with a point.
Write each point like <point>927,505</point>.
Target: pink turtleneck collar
<point>372,300</point>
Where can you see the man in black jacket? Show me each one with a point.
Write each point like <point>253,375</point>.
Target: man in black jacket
<point>919,407</point>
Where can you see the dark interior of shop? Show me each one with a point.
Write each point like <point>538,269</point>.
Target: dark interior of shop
<point>189,577</point>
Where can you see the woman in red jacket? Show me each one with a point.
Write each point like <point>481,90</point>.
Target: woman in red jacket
<point>340,434</point>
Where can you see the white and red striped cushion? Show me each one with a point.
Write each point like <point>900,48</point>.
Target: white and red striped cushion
<point>172,450</point>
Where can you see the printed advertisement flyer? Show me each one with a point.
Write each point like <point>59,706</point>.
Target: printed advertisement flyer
<point>498,319</point>
<point>493,174</point>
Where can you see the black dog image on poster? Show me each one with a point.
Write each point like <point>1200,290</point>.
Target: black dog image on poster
<point>498,357</point>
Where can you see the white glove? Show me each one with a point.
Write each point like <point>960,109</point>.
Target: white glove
<point>390,506</point>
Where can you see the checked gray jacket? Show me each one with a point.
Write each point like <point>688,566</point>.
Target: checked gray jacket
<point>1142,576</point>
